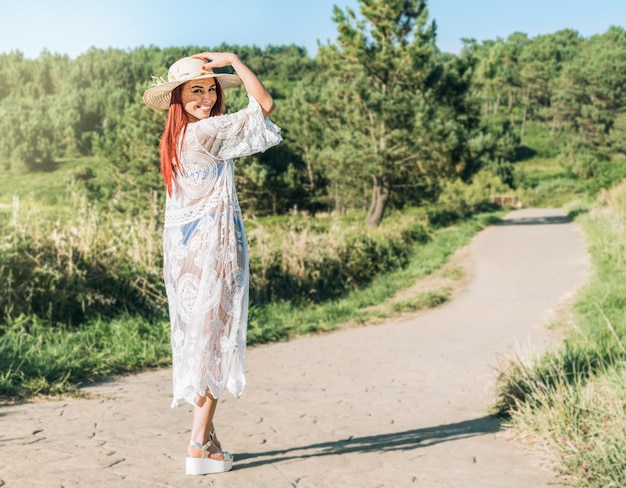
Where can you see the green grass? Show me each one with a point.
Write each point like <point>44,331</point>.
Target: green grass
<point>550,182</point>
<point>49,187</point>
<point>537,137</point>
<point>421,301</point>
<point>38,359</point>
<point>561,169</point>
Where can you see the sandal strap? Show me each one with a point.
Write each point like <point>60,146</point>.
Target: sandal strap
<point>204,449</point>
<point>212,438</point>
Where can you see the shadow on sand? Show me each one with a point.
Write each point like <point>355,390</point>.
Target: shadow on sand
<point>383,443</point>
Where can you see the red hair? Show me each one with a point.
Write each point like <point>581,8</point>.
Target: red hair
<point>175,126</point>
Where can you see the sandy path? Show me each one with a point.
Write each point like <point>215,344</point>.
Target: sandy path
<point>394,405</point>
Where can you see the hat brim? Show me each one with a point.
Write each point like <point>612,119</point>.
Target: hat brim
<point>159,96</point>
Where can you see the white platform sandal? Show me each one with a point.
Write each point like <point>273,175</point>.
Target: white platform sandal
<point>206,464</point>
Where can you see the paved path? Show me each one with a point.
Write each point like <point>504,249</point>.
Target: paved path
<point>401,404</point>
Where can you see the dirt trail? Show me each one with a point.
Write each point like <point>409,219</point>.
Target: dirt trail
<point>400,404</point>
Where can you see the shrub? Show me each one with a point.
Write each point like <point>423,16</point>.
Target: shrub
<point>85,263</point>
<point>305,265</point>
<point>459,200</point>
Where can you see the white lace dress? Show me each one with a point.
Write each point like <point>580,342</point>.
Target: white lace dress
<point>206,267</point>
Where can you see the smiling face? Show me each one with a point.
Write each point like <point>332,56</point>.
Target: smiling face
<point>198,98</point>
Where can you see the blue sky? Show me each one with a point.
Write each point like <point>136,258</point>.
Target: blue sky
<point>72,26</point>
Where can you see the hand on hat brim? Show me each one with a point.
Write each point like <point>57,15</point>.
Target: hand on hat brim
<point>215,59</point>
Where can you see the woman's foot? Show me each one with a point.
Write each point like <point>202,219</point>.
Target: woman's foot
<point>213,451</point>
<point>207,458</point>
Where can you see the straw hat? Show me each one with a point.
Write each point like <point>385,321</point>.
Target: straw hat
<point>183,70</point>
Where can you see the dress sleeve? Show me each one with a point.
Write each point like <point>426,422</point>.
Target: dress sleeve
<point>238,134</point>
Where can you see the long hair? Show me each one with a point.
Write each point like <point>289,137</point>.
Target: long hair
<point>174,132</point>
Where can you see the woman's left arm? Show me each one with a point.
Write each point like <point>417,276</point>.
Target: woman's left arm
<point>252,84</point>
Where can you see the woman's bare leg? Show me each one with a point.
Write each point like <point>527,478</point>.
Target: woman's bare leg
<point>201,427</point>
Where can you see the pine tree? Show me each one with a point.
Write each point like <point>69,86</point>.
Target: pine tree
<point>388,77</point>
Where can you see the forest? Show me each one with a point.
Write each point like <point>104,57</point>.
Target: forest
<point>380,119</point>
<point>393,155</point>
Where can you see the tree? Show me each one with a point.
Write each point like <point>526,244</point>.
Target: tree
<point>604,69</point>
<point>589,96</point>
<point>540,66</point>
<point>305,131</point>
<point>27,133</point>
<point>383,58</point>
<point>391,90</point>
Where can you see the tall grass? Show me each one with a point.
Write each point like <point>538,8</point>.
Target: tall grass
<point>81,262</point>
<point>571,401</point>
<point>74,261</point>
<point>311,260</point>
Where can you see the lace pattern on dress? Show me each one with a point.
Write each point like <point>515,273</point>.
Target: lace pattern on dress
<point>206,266</point>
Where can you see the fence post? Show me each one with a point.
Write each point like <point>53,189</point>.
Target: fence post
<point>16,208</point>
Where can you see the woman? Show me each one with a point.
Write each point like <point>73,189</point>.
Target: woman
<point>206,268</point>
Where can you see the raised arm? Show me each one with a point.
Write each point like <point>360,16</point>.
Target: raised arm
<point>251,83</point>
